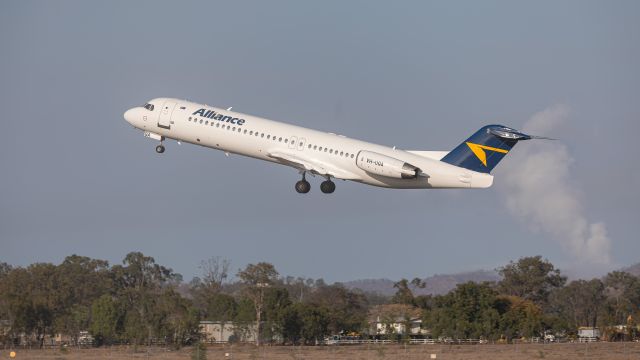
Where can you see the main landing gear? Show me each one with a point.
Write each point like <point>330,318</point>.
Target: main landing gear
<point>303,186</point>
<point>327,186</point>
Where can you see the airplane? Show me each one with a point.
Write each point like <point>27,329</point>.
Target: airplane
<point>328,155</point>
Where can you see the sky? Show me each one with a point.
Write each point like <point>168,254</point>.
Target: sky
<point>77,179</point>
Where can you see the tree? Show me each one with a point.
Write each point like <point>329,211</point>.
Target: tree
<point>579,303</point>
<point>244,318</point>
<point>468,311</point>
<point>531,278</point>
<point>31,300</point>
<point>215,272</point>
<point>107,317</point>
<point>221,307</point>
<point>623,297</point>
<point>347,309</point>
<point>303,322</point>
<point>315,322</point>
<point>404,294</point>
<point>5,270</point>
<point>256,278</point>
<point>291,323</point>
<point>81,280</point>
<point>139,282</point>
<point>276,301</point>
<point>175,318</point>
<point>519,317</point>
<point>207,293</point>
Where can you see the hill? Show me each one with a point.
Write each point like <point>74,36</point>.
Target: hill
<point>435,285</point>
<point>633,269</point>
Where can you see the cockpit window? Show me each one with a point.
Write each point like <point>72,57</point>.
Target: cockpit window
<point>148,107</point>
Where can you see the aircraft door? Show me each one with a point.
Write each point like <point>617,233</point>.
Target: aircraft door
<point>164,121</point>
<point>301,143</point>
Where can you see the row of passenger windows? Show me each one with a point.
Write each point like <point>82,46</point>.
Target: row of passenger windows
<point>330,151</point>
<point>269,137</point>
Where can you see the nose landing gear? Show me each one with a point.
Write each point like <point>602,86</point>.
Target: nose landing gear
<point>160,148</point>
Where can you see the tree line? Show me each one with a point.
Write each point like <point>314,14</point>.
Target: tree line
<point>142,302</point>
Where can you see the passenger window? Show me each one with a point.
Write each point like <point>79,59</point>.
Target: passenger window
<point>325,149</point>
<point>330,151</point>
<point>286,141</point>
<point>200,121</point>
<point>218,125</point>
<point>268,137</point>
<point>206,122</point>
<point>251,132</point>
<point>262,135</point>
<point>315,147</point>
<point>234,129</point>
<point>352,156</point>
<point>280,139</point>
<point>245,131</point>
<point>320,148</point>
<point>189,118</point>
<point>309,146</point>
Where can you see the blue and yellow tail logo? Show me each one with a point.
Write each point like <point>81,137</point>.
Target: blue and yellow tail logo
<point>483,150</point>
<point>479,151</point>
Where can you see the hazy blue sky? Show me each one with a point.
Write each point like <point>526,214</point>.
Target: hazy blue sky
<point>76,178</point>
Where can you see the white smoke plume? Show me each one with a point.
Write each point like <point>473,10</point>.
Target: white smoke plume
<point>541,192</point>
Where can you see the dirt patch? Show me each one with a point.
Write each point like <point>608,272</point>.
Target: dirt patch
<point>613,351</point>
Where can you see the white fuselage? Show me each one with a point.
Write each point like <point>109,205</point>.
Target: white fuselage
<point>260,138</point>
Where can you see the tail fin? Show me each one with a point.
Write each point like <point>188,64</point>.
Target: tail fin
<point>484,149</point>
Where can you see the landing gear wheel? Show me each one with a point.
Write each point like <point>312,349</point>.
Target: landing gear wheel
<point>160,149</point>
<point>303,186</point>
<point>327,186</point>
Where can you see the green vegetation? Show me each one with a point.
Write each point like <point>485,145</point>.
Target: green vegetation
<point>141,302</point>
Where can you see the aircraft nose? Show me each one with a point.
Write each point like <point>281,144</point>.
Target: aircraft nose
<point>129,115</point>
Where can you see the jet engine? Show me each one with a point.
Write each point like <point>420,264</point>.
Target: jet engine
<point>384,165</point>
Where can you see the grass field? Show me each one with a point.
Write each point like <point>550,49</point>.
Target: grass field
<point>621,351</point>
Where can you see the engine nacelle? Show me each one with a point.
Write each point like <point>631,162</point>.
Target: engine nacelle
<point>384,165</point>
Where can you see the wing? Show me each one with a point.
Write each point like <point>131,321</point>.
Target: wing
<point>303,163</point>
